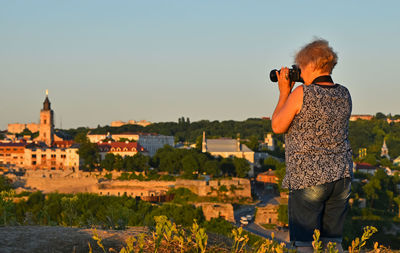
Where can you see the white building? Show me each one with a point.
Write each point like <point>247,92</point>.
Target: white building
<point>227,147</point>
<point>153,142</point>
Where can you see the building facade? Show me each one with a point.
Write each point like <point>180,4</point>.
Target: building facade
<point>12,154</point>
<point>120,148</point>
<point>227,147</point>
<point>37,157</point>
<point>149,141</point>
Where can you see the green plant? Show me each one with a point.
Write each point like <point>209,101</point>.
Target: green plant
<point>270,246</point>
<point>200,237</point>
<point>98,239</point>
<point>357,244</point>
<point>240,240</point>
<point>317,244</point>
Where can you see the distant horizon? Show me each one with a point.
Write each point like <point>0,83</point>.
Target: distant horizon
<point>176,121</point>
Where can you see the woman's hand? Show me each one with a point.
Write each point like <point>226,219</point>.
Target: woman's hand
<point>289,103</point>
<point>285,85</point>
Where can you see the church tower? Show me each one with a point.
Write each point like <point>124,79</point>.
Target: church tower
<point>385,150</point>
<point>46,127</point>
<point>204,143</point>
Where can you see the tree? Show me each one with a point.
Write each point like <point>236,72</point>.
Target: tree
<point>211,167</point>
<point>89,152</point>
<point>119,163</point>
<point>253,143</point>
<point>227,166</point>
<point>242,167</point>
<point>371,190</point>
<point>272,163</point>
<point>280,173</point>
<point>5,183</point>
<point>397,201</point>
<point>189,165</point>
<point>283,214</point>
<point>140,162</point>
<point>199,142</point>
<point>108,162</point>
<point>380,115</point>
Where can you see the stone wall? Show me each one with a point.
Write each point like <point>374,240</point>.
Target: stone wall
<point>67,181</point>
<point>267,214</point>
<point>202,188</point>
<point>215,210</point>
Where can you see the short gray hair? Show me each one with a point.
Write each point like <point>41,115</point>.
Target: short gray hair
<point>318,52</point>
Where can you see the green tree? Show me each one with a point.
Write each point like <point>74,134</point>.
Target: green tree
<point>227,166</point>
<point>199,142</point>
<point>5,183</point>
<point>371,190</point>
<point>380,115</point>
<point>211,167</point>
<point>253,143</point>
<point>242,167</point>
<point>119,163</point>
<point>397,201</point>
<point>283,214</point>
<point>189,165</point>
<point>141,162</point>
<point>108,162</point>
<point>89,152</point>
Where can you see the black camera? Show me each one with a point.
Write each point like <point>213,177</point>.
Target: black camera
<point>294,74</point>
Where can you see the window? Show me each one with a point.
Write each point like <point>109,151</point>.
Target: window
<point>33,155</point>
<point>1,154</point>
<point>53,156</point>
<point>33,162</point>
<point>8,154</point>
<point>44,156</point>
<point>44,121</point>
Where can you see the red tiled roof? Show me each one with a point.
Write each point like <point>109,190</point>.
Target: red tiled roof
<point>365,166</point>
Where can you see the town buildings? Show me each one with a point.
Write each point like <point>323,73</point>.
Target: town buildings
<point>360,116</point>
<point>48,150</point>
<point>120,123</point>
<point>267,177</point>
<point>227,147</point>
<point>120,148</point>
<point>149,141</point>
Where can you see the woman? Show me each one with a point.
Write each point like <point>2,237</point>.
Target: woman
<point>315,118</point>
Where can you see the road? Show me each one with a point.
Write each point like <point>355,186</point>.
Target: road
<point>265,196</point>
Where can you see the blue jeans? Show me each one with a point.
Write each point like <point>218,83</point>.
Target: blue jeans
<point>321,207</point>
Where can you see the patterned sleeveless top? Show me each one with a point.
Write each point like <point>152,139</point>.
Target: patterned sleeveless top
<point>317,146</point>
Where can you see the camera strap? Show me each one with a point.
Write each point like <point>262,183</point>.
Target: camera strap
<point>323,79</point>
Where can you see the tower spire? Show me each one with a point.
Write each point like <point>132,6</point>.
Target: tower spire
<point>46,103</point>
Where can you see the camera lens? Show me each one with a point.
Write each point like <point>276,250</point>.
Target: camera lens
<point>272,75</point>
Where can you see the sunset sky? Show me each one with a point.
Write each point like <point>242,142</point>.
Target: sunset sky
<point>160,60</point>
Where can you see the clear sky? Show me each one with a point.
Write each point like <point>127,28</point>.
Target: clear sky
<point>208,59</point>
